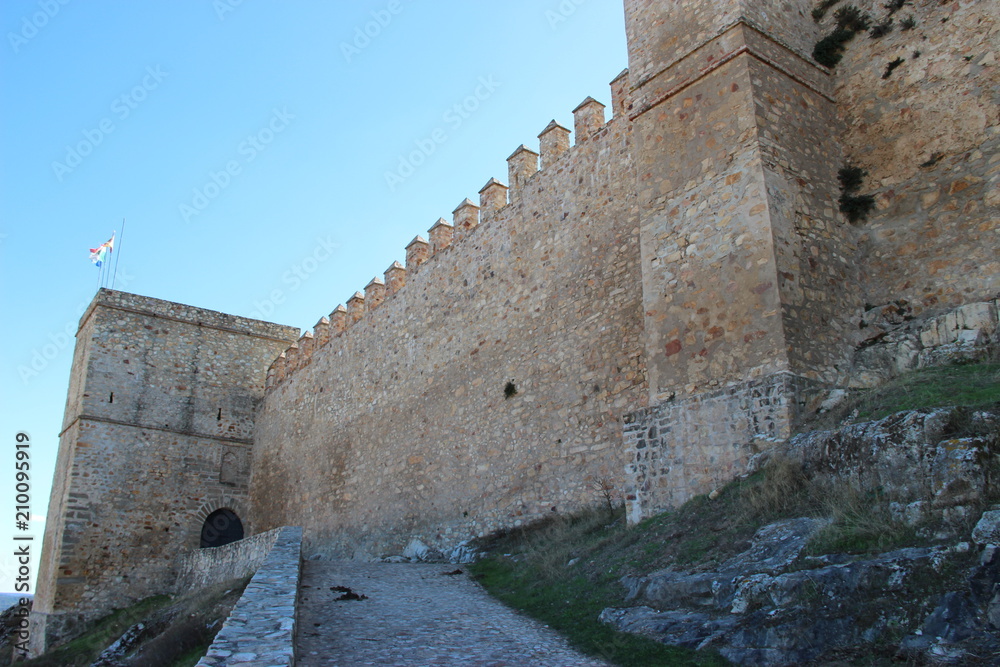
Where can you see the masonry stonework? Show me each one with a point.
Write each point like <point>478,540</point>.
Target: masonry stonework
<point>647,303</point>
<point>402,427</point>
<point>157,435</point>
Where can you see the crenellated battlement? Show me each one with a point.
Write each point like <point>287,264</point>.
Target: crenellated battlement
<point>524,165</point>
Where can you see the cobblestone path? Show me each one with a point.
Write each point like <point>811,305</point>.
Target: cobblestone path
<point>415,615</point>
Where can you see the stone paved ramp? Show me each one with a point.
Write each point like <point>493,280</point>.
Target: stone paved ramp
<point>416,615</point>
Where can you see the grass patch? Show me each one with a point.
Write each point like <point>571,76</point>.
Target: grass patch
<point>181,630</point>
<point>529,571</point>
<point>862,524</point>
<point>968,386</point>
<point>83,650</point>
<point>975,386</point>
<point>564,570</point>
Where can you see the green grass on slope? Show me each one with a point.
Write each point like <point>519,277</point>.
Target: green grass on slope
<point>972,385</point>
<point>83,650</point>
<point>563,571</point>
<point>569,598</point>
<point>182,628</point>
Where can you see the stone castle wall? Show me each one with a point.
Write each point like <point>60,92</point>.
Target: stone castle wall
<point>755,285</point>
<point>400,426</point>
<point>156,436</point>
<point>643,308</point>
<point>929,136</point>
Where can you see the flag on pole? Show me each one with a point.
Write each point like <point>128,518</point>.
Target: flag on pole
<point>98,254</point>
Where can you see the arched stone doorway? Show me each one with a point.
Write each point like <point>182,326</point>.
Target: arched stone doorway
<point>221,527</point>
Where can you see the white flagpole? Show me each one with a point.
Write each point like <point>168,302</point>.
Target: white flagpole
<point>115,275</point>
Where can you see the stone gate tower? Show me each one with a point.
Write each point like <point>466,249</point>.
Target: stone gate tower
<point>744,260</point>
<point>156,437</point>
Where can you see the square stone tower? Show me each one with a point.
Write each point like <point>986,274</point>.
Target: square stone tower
<point>156,438</point>
<point>746,262</point>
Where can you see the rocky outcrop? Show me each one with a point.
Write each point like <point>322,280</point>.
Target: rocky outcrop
<point>895,342</point>
<point>933,463</point>
<point>771,606</point>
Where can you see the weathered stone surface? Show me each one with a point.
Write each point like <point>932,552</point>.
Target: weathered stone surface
<point>402,428</point>
<point>417,614</point>
<point>772,549</point>
<point>237,560</point>
<point>987,530</point>
<point>793,617</point>
<point>910,456</point>
<point>895,345</point>
<point>113,656</point>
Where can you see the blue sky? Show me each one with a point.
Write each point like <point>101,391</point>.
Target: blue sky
<point>270,157</point>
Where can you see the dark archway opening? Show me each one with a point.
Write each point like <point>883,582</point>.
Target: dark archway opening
<point>221,527</point>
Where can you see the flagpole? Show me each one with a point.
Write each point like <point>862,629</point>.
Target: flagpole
<point>120,238</point>
<point>104,272</point>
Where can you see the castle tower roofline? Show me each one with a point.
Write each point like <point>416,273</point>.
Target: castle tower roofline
<point>553,125</point>
<point>521,165</point>
<point>441,222</point>
<point>418,251</point>
<point>589,101</point>
<point>465,218</point>
<point>465,204</point>
<point>492,197</point>
<point>620,93</point>
<point>322,331</point>
<point>588,117</point>
<point>374,293</point>
<point>492,183</point>
<point>522,149</point>
<point>395,278</point>
<point>338,320</point>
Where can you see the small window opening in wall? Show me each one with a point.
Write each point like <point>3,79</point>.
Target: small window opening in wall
<point>218,417</point>
<point>111,399</point>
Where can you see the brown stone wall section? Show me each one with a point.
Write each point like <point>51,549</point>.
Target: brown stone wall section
<point>158,426</point>
<point>713,314</point>
<point>402,427</point>
<point>661,33</point>
<point>929,136</point>
<point>815,248</point>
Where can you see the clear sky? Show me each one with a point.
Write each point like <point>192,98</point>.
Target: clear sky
<point>270,157</point>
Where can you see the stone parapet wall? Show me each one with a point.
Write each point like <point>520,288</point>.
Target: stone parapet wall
<point>261,628</point>
<point>236,560</point>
